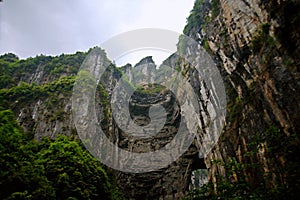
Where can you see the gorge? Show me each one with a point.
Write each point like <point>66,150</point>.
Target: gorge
<point>255,46</point>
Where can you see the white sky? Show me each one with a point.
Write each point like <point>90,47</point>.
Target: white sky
<point>52,27</point>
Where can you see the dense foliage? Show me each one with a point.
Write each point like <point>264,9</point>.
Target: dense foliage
<point>235,184</point>
<point>50,169</point>
<point>195,19</point>
<point>14,70</point>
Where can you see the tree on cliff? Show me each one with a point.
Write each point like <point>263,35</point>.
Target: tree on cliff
<point>50,169</point>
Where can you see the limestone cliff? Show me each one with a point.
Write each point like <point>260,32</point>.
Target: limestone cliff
<point>256,47</point>
<point>43,106</point>
<point>38,90</point>
<point>170,182</point>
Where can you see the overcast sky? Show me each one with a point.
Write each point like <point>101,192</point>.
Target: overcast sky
<point>52,27</point>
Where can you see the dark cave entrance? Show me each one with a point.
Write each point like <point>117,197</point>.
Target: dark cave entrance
<point>199,174</point>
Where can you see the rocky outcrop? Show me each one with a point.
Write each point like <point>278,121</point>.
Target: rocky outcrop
<point>261,76</point>
<point>172,181</point>
<point>50,114</point>
<point>255,45</point>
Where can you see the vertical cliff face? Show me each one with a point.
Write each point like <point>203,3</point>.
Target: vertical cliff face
<point>256,47</point>
<point>172,181</point>
<point>38,90</point>
<point>43,106</point>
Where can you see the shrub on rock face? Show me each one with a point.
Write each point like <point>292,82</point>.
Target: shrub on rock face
<point>50,169</point>
<point>20,176</point>
<point>72,171</point>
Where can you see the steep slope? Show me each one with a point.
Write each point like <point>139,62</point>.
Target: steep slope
<point>170,182</point>
<point>43,105</point>
<point>256,47</point>
<point>38,91</point>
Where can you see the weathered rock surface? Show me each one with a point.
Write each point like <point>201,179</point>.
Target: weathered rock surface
<point>172,181</point>
<point>262,81</point>
<point>255,45</point>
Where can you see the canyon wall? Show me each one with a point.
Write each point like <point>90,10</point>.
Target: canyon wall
<point>255,45</point>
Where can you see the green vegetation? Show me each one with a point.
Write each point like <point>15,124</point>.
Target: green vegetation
<point>194,18</point>
<point>262,39</point>
<point>103,96</point>
<point>287,13</point>
<point>267,47</point>
<point>25,93</point>
<point>6,62</point>
<point>225,188</point>
<point>215,8</point>
<point>275,144</point>
<point>150,89</point>
<point>181,45</point>
<point>50,169</point>
<point>235,109</point>
<point>13,70</point>
<point>206,45</point>
<point>85,82</point>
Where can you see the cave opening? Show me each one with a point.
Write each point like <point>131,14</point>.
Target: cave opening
<point>199,174</point>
